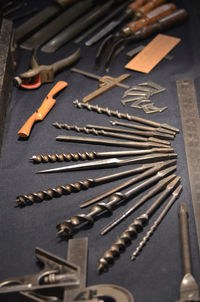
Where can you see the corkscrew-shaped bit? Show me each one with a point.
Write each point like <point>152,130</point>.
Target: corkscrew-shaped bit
<point>108,131</point>
<point>68,227</point>
<point>122,115</point>
<point>155,190</point>
<point>158,220</point>
<point>112,162</point>
<point>133,229</point>
<point>158,167</point>
<point>149,134</point>
<point>76,187</point>
<point>46,158</point>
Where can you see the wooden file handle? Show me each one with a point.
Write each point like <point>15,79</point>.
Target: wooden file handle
<point>149,18</point>
<point>40,113</point>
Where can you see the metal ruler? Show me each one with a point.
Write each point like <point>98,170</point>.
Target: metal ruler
<point>191,132</point>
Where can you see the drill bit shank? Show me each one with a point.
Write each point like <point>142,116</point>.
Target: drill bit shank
<point>132,231</point>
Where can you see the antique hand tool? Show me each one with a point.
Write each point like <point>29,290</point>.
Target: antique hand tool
<point>65,275</point>
<point>139,145</point>
<point>121,41</point>
<point>46,158</point>
<point>41,112</point>
<point>69,226</point>
<point>77,27</point>
<point>105,83</point>
<point>137,9</point>
<point>103,131</point>
<point>85,184</point>
<point>134,228</point>
<point>123,115</point>
<point>160,166</point>
<point>56,24</point>
<point>190,116</point>
<point>143,128</point>
<point>189,289</point>
<point>39,19</point>
<point>156,189</point>
<point>69,286</point>
<point>111,162</point>
<point>158,220</point>
<point>40,74</point>
<point>118,39</point>
<point>151,134</point>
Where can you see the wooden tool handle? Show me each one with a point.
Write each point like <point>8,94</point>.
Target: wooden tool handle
<point>137,4</point>
<point>149,18</point>
<point>150,5</point>
<point>40,113</point>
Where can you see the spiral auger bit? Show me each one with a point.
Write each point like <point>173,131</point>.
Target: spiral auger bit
<point>133,229</point>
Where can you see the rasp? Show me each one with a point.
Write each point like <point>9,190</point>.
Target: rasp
<point>41,18</point>
<point>57,24</point>
<point>77,27</point>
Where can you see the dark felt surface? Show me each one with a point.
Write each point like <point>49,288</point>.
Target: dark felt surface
<point>157,272</point>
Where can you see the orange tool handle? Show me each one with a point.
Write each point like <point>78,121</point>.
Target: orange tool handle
<point>150,5</point>
<point>137,4</point>
<point>149,18</point>
<point>40,113</point>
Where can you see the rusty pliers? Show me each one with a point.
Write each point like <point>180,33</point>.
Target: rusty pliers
<point>40,74</point>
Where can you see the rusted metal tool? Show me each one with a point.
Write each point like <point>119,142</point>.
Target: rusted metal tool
<point>103,131</point>
<point>40,74</point>
<point>158,220</point>
<point>52,158</point>
<point>156,189</point>
<point>111,162</point>
<point>131,10</point>
<point>28,199</point>
<point>189,289</point>
<point>134,228</point>
<point>143,128</point>
<point>110,43</point>
<point>105,83</point>
<point>41,112</point>
<point>133,144</point>
<point>113,44</point>
<point>123,115</point>
<point>69,226</point>
<point>160,166</point>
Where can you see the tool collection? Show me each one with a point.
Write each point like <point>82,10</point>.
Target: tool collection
<point>151,187</point>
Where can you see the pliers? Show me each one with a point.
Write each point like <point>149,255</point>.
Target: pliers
<point>40,74</point>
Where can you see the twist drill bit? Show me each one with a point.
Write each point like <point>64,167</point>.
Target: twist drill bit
<point>132,231</point>
<point>68,227</point>
<point>156,189</point>
<point>143,128</point>
<point>150,134</point>
<point>150,172</point>
<point>111,162</point>
<point>123,115</point>
<point>46,158</point>
<point>108,131</point>
<point>85,184</point>
<point>175,196</point>
<point>111,142</point>
<point>110,134</point>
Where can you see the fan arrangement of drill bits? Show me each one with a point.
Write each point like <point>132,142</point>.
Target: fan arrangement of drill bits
<point>158,163</point>
<point>139,97</point>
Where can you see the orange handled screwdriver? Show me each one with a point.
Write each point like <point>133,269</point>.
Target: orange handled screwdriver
<point>40,113</point>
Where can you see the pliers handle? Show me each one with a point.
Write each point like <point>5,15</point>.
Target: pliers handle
<point>39,74</point>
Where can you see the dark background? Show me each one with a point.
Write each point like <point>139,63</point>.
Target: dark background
<point>157,272</point>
